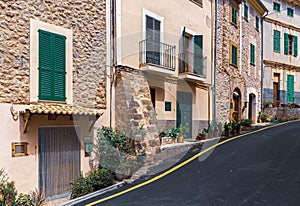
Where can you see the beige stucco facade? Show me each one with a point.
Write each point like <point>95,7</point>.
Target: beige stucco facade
<point>278,65</point>
<point>165,81</point>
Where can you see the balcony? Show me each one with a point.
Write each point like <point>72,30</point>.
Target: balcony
<point>192,67</point>
<point>157,57</point>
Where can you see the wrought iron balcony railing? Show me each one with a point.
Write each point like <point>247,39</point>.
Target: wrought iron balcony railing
<point>157,53</point>
<point>192,63</point>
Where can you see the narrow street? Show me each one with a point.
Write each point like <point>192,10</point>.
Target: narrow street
<point>258,169</point>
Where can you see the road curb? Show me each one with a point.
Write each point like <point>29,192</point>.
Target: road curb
<point>94,194</point>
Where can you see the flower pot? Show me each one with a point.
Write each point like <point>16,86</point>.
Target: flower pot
<point>180,139</point>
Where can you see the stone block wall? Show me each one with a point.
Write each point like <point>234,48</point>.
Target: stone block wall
<point>283,113</point>
<point>134,112</point>
<point>87,20</point>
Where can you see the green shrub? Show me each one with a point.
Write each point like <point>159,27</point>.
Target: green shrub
<point>8,190</point>
<point>96,180</point>
<point>80,187</point>
<point>100,178</point>
<point>246,122</point>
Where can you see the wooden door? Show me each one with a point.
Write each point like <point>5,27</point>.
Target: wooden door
<point>59,159</point>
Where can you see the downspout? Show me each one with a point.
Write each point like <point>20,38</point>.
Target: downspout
<point>241,34</point>
<point>215,63</point>
<point>111,64</point>
<point>262,59</point>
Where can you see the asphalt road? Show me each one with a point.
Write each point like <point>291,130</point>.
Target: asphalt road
<point>257,169</point>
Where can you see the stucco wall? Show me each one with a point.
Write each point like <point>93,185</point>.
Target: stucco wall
<point>24,170</point>
<point>176,15</point>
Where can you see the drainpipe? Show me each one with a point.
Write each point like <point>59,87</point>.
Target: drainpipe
<point>262,59</point>
<point>215,62</point>
<point>111,63</point>
<point>241,34</point>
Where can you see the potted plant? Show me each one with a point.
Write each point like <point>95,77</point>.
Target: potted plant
<point>202,135</point>
<point>182,134</point>
<point>173,133</point>
<point>262,117</point>
<point>246,124</point>
<point>227,128</point>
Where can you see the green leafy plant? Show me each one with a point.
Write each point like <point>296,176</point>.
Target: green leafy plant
<point>227,126</point>
<point>262,117</point>
<point>246,122</point>
<point>8,191</point>
<point>35,197</point>
<point>173,133</point>
<point>100,178</point>
<point>81,186</point>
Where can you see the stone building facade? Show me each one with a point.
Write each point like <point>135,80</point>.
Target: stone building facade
<point>53,84</point>
<point>239,50</point>
<point>281,81</point>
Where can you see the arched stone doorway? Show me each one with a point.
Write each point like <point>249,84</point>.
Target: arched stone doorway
<point>252,107</point>
<point>236,100</point>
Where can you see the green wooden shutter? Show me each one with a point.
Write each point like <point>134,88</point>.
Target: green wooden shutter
<point>234,20</point>
<point>246,11</point>
<point>276,41</point>
<point>295,46</point>
<point>257,22</point>
<point>234,55</point>
<point>59,68</point>
<point>45,65</point>
<point>252,54</point>
<point>286,43</point>
<point>198,54</point>
<point>183,53</point>
<point>290,88</point>
<point>52,66</point>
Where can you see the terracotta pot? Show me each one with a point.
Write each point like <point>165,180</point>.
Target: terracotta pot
<point>180,139</point>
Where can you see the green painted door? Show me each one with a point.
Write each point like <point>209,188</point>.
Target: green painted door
<point>290,88</point>
<point>184,112</point>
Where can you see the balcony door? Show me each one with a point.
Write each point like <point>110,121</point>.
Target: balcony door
<point>152,40</point>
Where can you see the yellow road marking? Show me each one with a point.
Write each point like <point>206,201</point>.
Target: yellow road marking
<point>184,163</point>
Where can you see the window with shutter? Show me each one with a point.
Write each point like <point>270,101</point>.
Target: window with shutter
<point>290,88</point>
<point>295,46</point>
<point>246,12</point>
<point>233,15</point>
<point>290,12</point>
<point>198,54</point>
<point>252,54</point>
<point>257,22</point>
<point>233,55</point>
<point>286,43</point>
<point>276,41</point>
<point>52,66</point>
<point>276,7</point>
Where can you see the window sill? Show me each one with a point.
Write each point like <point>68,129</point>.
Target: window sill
<point>51,101</point>
<point>235,25</point>
<point>252,64</point>
<point>246,19</point>
<point>277,52</point>
<point>233,65</point>
<point>197,3</point>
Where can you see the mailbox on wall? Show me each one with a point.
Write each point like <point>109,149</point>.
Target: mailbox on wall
<point>88,145</point>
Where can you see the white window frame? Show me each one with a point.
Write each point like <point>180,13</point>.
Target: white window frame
<point>35,26</point>
<point>157,17</point>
